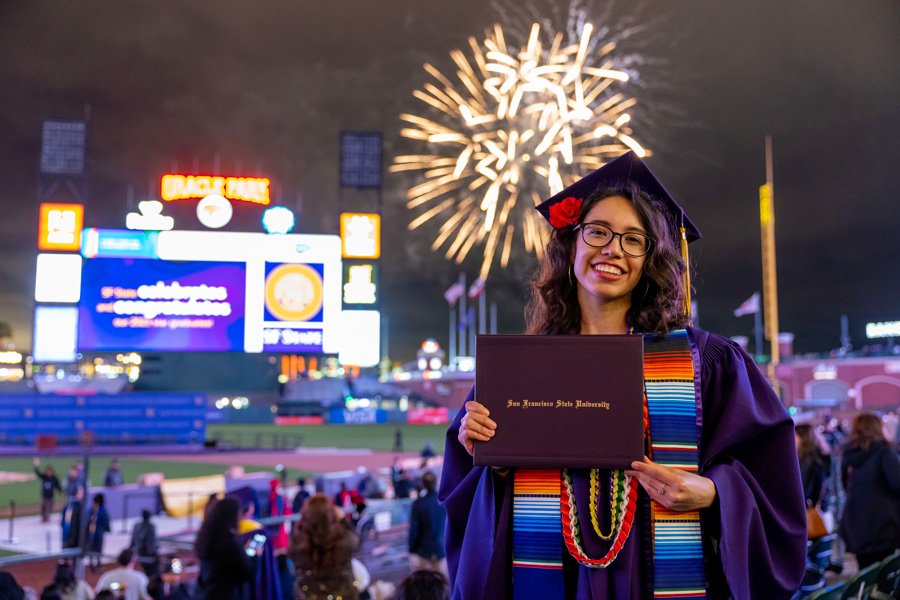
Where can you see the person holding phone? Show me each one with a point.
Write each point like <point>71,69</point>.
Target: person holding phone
<point>715,509</point>
<point>125,581</point>
<point>224,564</point>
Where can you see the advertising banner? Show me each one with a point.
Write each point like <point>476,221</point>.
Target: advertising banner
<point>427,416</point>
<point>160,305</point>
<point>360,416</point>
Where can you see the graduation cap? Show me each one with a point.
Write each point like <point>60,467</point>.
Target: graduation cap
<point>629,168</point>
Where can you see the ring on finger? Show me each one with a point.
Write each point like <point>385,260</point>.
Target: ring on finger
<point>662,490</point>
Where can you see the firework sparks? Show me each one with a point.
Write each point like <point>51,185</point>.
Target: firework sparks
<point>519,126</point>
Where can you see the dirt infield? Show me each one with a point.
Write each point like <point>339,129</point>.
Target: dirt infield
<point>319,461</point>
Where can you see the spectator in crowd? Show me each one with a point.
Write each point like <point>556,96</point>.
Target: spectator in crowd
<point>815,461</point>
<point>98,526</point>
<point>403,484</point>
<point>159,588</point>
<point>49,486</point>
<point>51,592</point>
<point>105,595</point>
<point>71,521</point>
<point>112,477</point>
<point>428,450</point>
<point>423,585</point>
<point>144,546</point>
<point>11,590</point>
<point>322,546</point>
<point>870,472</point>
<point>426,530</point>
<point>73,482</point>
<point>224,565</point>
<point>398,440</point>
<point>247,522</point>
<point>287,575</point>
<point>68,585</point>
<point>300,497</point>
<point>125,578</point>
<point>278,507</point>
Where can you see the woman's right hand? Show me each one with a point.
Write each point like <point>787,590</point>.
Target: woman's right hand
<point>475,425</point>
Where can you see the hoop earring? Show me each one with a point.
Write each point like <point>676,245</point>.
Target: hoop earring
<point>571,270</point>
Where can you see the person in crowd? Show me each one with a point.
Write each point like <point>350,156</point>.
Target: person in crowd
<point>870,471</point>
<point>428,450</point>
<point>248,521</point>
<point>616,263</point>
<point>106,595</point>
<point>112,477</point>
<point>51,592</point>
<point>287,575</point>
<point>98,527</point>
<point>144,545</point>
<point>815,462</point>
<point>74,481</point>
<point>322,546</point>
<point>125,580</point>
<point>403,485</point>
<point>71,521</point>
<point>398,440</point>
<point>423,585</point>
<point>225,567</point>
<point>159,588</point>
<point>69,586</point>
<point>426,529</point>
<point>279,533</point>
<point>49,486</point>
<point>11,590</point>
<point>300,497</point>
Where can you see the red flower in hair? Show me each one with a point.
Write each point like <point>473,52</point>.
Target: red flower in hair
<point>565,212</point>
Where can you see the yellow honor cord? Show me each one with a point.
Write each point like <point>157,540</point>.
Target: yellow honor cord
<point>595,485</point>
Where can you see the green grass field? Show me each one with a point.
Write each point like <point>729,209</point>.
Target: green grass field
<point>376,437</point>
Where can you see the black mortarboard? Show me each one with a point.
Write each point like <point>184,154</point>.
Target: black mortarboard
<point>626,168</point>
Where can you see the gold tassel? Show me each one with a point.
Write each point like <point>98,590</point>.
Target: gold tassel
<point>686,276</point>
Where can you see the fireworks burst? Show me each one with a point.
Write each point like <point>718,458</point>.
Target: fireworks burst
<point>523,124</point>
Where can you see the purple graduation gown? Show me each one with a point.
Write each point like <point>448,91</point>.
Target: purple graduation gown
<point>754,535</point>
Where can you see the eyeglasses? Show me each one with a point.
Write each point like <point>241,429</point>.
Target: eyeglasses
<point>599,236</point>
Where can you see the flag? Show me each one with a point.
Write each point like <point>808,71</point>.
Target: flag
<point>468,320</point>
<point>454,292</point>
<point>476,288</point>
<point>750,306</point>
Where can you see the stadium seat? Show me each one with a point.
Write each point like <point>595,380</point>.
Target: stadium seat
<point>887,583</point>
<point>817,555</point>
<point>862,580</point>
<point>834,592</point>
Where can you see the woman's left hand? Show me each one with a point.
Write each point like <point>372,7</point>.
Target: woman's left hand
<point>673,488</point>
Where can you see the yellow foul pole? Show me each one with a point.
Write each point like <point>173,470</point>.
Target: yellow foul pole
<point>770,282</point>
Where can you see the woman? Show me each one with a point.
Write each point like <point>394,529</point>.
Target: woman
<point>68,585</point>
<point>612,266</point>
<point>224,566</point>
<point>870,471</point>
<point>815,462</point>
<point>98,526</point>
<point>322,546</point>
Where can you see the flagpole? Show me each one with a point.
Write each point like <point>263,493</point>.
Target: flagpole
<point>482,310</point>
<point>493,318</point>
<point>452,364</point>
<point>758,330</point>
<point>462,315</point>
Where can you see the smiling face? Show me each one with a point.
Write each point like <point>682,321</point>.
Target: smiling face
<point>608,275</point>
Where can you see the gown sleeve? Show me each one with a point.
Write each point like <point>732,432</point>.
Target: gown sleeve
<point>747,449</point>
<point>477,521</point>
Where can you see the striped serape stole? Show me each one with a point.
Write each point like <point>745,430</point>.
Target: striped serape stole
<point>678,570</point>
<point>537,535</point>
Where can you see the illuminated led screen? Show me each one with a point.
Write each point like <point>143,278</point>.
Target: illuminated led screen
<point>161,305</point>
<point>210,291</point>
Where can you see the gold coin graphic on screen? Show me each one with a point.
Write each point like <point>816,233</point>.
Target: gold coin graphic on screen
<point>294,292</point>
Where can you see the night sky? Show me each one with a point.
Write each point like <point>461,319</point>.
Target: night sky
<point>266,87</point>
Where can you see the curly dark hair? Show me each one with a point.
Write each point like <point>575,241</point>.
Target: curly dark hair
<point>321,542</point>
<point>657,302</point>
